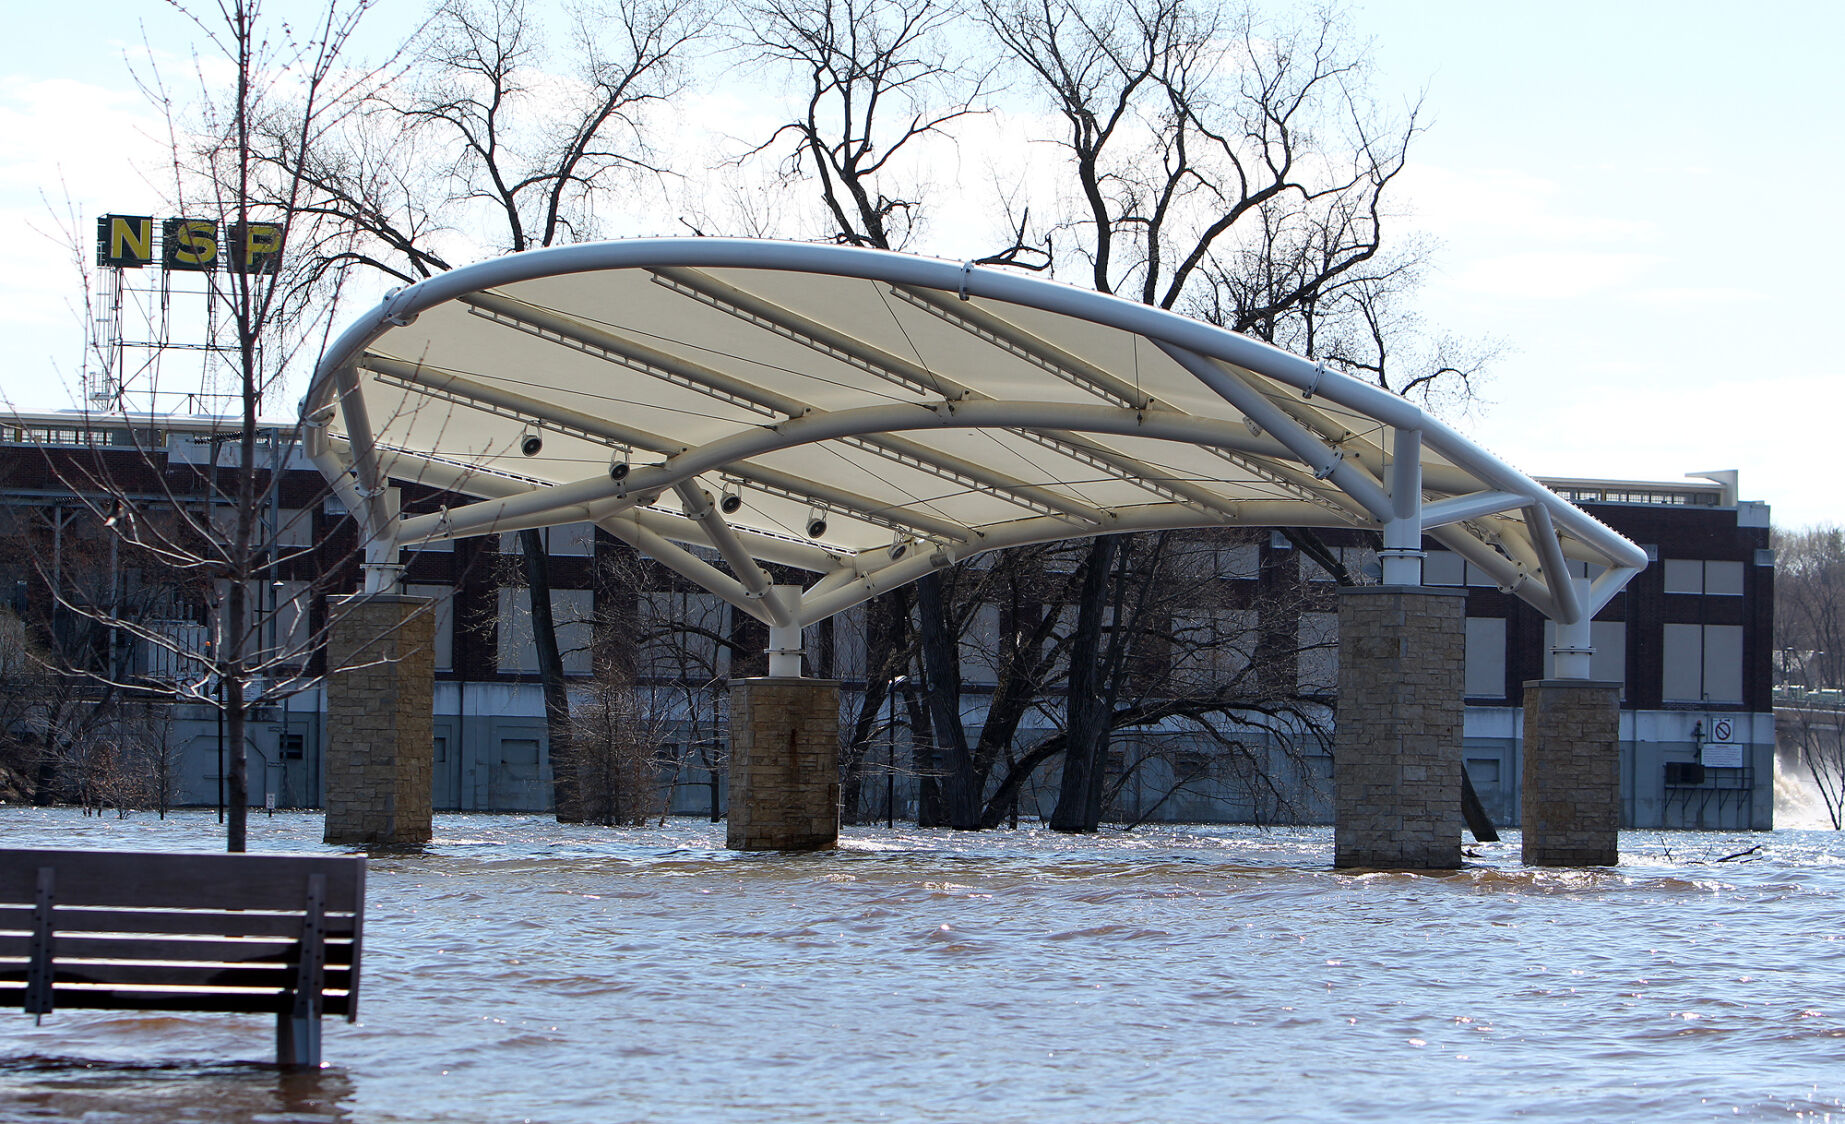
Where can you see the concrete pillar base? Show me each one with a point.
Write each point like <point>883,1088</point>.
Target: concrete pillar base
<point>381,667</point>
<point>1571,778</point>
<point>784,765</point>
<point>1397,745</point>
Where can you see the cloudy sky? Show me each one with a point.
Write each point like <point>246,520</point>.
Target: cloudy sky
<point>1640,201</point>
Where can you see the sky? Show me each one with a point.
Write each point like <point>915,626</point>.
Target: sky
<point>1638,202</point>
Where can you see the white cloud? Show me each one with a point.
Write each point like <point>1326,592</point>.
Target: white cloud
<point>1693,298</point>
<point>1507,206</point>
<point>1553,274</point>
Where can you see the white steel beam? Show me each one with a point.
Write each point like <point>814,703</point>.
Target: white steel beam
<point>686,564</point>
<point>923,558</point>
<point>698,505</point>
<point>1556,567</point>
<point>1326,463</point>
<point>1474,505</point>
<point>1402,553</point>
<point>1574,650</point>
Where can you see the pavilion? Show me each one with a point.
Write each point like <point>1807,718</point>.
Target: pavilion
<point>869,417</point>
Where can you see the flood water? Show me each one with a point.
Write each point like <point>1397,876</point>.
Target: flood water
<point>521,970</point>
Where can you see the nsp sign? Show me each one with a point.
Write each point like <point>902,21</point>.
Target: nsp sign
<point>127,241</point>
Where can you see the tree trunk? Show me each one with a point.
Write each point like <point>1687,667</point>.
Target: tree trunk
<point>237,780</point>
<point>564,796</point>
<point>1079,795</point>
<point>884,659</point>
<point>961,786</point>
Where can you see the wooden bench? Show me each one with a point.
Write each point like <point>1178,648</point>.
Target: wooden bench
<point>118,930</point>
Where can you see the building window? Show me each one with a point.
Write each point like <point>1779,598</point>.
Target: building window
<point>679,636</point>
<point>1318,660</point>
<point>1486,657</point>
<point>979,645</point>
<point>572,611</point>
<point>1715,579</point>
<point>1360,562</point>
<point>1213,647</point>
<point>294,528</point>
<point>1444,567</point>
<point>1608,664</point>
<point>1703,663</point>
<point>567,540</point>
<point>443,597</point>
<point>1723,579</point>
<point>1239,561</point>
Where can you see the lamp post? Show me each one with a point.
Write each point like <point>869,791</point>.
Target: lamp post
<point>890,751</point>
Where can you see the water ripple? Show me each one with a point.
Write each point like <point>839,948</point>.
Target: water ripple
<point>520,969</point>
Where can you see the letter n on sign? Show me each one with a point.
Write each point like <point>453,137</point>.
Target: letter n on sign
<point>125,240</point>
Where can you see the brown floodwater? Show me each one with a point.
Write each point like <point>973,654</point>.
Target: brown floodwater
<point>521,970</point>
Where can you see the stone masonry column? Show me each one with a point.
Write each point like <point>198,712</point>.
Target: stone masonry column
<point>784,765</point>
<point>1571,776</point>
<point>1397,746</point>
<point>380,719</point>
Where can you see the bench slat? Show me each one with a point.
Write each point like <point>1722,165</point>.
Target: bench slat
<point>223,923</point>
<point>151,999</point>
<point>178,977</point>
<point>278,934</point>
<point>211,949</point>
<point>172,880</point>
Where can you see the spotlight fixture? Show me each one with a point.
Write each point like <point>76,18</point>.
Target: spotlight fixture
<point>899,548</point>
<point>531,443</point>
<point>618,469</point>
<point>816,523</point>
<point>732,501</point>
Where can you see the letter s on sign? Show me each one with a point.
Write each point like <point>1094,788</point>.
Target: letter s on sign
<point>190,244</point>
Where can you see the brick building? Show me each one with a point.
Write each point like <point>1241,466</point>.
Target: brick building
<point>1690,640</point>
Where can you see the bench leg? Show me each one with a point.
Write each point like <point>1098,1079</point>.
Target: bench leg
<point>297,1040</point>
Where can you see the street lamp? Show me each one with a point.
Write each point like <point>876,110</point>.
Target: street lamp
<point>890,751</point>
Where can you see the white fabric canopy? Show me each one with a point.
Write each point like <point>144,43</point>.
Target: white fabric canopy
<point>869,415</point>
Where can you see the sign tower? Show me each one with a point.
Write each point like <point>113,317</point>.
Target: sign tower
<point>160,296</point>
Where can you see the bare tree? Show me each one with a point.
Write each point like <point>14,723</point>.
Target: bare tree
<point>677,644</point>
<point>484,128</point>
<point>272,277</point>
<point>880,84</point>
<point>1810,657</point>
<point>1814,728</point>
<point>618,742</point>
<point>1227,166</point>
<point>1024,651</point>
<point>1810,607</point>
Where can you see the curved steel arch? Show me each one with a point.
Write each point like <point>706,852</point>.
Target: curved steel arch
<point>868,415</point>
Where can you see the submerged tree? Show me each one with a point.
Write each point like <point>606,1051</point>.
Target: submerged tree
<point>272,275</point>
<point>1224,165</point>
<point>483,137</point>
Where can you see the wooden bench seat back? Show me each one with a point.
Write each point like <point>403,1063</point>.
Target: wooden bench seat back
<point>181,932</point>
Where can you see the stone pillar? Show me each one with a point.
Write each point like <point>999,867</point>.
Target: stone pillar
<point>381,667</point>
<point>784,765</point>
<point>1397,746</point>
<point>1571,778</point>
